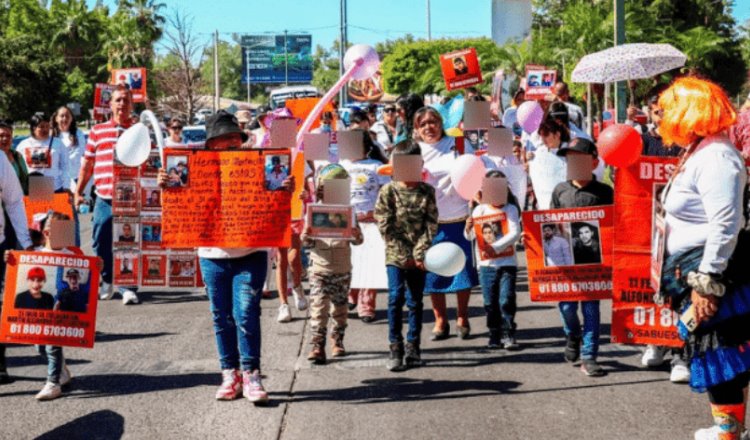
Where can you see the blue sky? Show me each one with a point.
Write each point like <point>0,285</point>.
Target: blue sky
<point>369,21</point>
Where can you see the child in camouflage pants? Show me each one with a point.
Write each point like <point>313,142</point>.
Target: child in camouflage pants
<point>330,278</point>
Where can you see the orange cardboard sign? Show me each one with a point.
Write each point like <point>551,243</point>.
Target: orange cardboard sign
<point>50,299</point>
<point>569,253</point>
<point>460,69</point>
<point>227,199</point>
<point>636,319</point>
<point>489,229</point>
<point>59,202</point>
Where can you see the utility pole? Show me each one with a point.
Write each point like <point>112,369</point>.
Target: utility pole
<point>217,92</point>
<point>620,100</point>
<point>342,50</point>
<point>286,59</point>
<point>429,24</point>
<point>247,72</point>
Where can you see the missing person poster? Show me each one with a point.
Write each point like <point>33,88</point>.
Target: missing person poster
<point>539,81</point>
<point>461,69</point>
<point>489,229</point>
<point>135,79</point>
<point>226,199</point>
<point>102,97</point>
<point>636,319</point>
<point>50,299</point>
<point>569,253</point>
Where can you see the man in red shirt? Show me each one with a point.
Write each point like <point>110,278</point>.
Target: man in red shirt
<point>98,161</point>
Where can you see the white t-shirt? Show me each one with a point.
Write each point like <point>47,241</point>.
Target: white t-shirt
<point>704,204</point>
<point>439,160</point>
<point>48,157</point>
<point>365,183</point>
<point>501,243</point>
<point>75,154</point>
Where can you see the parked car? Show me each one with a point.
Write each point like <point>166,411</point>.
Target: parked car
<point>201,115</point>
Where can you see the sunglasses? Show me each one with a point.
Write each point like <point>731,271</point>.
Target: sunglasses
<point>389,110</point>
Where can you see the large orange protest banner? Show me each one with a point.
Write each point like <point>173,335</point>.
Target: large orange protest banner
<point>50,299</point>
<point>230,199</point>
<point>636,319</point>
<point>569,253</point>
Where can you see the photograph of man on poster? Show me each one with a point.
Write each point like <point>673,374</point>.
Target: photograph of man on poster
<point>277,170</point>
<point>586,247</point>
<point>556,248</point>
<point>459,66</point>
<point>72,296</point>
<point>126,267</point>
<point>154,267</point>
<point>34,296</point>
<point>127,235</point>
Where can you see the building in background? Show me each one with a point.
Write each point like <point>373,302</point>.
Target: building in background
<point>511,20</point>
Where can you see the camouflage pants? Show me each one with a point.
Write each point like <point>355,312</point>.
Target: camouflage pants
<point>328,294</point>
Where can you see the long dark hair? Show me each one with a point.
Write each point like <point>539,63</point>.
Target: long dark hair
<point>512,200</point>
<point>372,151</point>
<point>56,130</point>
<point>410,103</point>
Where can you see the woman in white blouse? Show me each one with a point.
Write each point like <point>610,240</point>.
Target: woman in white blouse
<point>44,154</point>
<point>705,269</point>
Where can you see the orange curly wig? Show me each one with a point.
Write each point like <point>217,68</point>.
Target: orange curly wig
<point>694,108</point>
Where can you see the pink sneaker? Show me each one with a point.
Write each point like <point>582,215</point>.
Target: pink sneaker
<point>252,387</point>
<point>231,385</point>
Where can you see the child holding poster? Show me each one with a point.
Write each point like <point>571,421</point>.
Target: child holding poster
<point>495,224</point>
<point>330,278</point>
<point>581,190</point>
<point>407,216</point>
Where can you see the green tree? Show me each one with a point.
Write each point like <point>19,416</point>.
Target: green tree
<point>230,66</point>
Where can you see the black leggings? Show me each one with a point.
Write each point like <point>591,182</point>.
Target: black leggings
<point>731,392</point>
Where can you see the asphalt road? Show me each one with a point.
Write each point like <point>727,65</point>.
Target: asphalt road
<point>154,370</point>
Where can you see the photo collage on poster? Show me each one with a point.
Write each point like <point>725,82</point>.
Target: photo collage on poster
<point>139,259</point>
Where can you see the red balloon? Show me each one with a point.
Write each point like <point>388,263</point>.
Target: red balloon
<point>620,145</point>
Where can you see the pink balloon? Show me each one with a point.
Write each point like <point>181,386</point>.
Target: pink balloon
<point>467,175</point>
<point>368,66</point>
<point>529,116</point>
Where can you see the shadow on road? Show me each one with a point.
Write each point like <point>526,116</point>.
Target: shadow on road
<point>103,424</point>
<point>111,337</point>
<point>125,384</point>
<point>404,389</point>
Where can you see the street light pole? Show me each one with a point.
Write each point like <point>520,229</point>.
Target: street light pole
<point>217,92</point>
<point>620,103</point>
<point>342,50</point>
<point>429,24</point>
<point>247,72</point>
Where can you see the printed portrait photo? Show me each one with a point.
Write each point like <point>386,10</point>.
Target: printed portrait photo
<point>586,244</point>
<point>276,171</point>
<point>150,199</point>
<point>177,171</point>
<point>330,221</point>
<point>459,66</point>
<point>556,244</point>
<point>475,140</point>
<point>126,233</point>
<point>52,288</point>
<point>38,157</point>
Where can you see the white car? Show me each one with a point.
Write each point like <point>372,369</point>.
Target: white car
<point>201,115</point>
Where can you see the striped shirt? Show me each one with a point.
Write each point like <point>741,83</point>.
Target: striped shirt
<point>101,148</point>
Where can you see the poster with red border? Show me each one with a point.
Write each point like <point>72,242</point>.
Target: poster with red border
<point>135,78</point>
<point>102,96</point>
<point>50,299</point>
<point>569,253</point>
<point>539,81</point>
<point>492,227</point>
<point>636,319</point>
<point>460,69</point>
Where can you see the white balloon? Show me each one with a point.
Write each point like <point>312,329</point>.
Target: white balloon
<point>133,146</point>
<point>445,259</point>
<point>148,116</point>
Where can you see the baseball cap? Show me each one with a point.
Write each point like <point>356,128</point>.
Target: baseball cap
<point>36,273</point>
<point>582,145</point>
<point>72,272</point>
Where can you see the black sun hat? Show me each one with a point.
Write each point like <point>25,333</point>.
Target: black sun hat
<point>223,123</point>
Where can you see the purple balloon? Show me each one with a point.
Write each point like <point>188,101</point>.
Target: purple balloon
<point>529,116</point>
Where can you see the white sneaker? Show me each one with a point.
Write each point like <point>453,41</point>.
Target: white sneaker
<point>300,298</point>
<point>129,297</point>
<point>285,315</point>
<point>49,392</point>
<point>680,373</point>
<point>65,376</point>
<point>106,292</point>
<point>653,356</point>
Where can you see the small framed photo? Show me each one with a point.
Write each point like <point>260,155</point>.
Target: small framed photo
<point>150,196</point>
<point>177,171</point>
<point>151,167</point>
<point>330,221</point>
<point>126,232</point>
<point>154,267</point>
<point>276,170</point>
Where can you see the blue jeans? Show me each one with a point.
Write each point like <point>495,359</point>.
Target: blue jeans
<point>499,292</point>
<point>54,357</point>
<point>405,286</point>
<point>572,325</point>
<point>234,287</point>
<point>102,237</point>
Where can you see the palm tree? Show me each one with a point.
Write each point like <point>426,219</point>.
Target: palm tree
<point>76,30</point>
<point>700,45</point>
